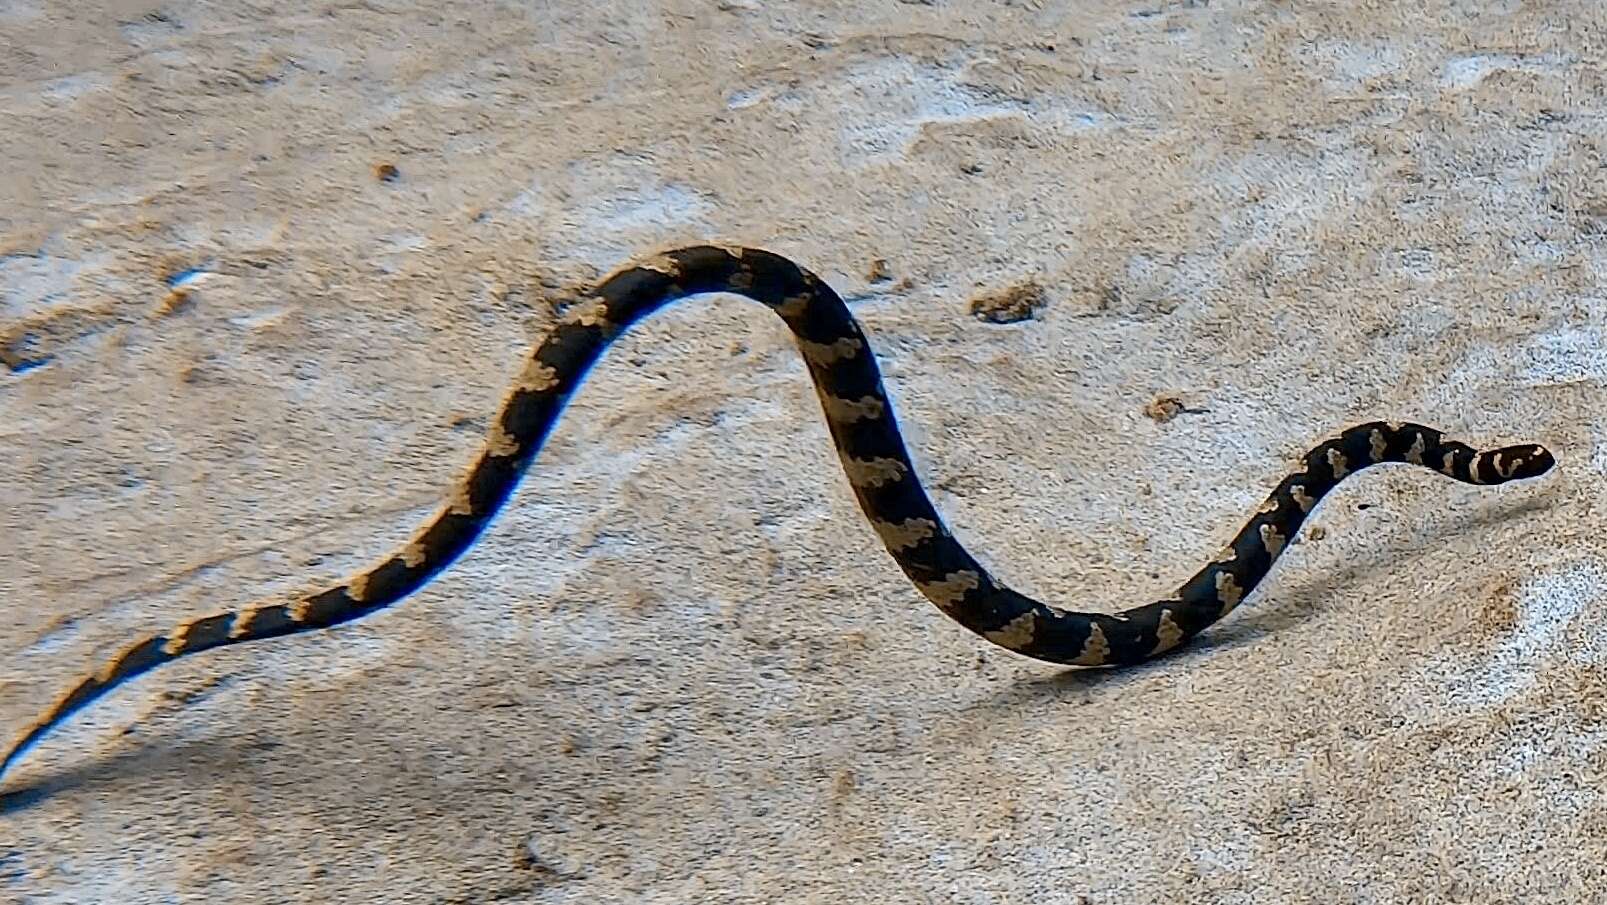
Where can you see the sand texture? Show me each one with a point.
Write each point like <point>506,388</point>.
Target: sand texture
<point>266,269</point>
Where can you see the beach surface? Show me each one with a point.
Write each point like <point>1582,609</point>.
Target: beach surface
<point>267,269</point>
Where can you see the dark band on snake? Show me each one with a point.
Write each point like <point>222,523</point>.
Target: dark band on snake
<point>874,459</point>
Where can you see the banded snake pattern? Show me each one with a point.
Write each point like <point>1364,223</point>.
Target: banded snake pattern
<point>874,459</point>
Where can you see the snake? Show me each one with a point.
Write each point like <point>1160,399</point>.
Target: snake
<point>874,459</point>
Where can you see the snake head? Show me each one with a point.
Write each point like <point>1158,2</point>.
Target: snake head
<point>1530,460</point>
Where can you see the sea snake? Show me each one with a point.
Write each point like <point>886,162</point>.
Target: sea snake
<point>874,459</point>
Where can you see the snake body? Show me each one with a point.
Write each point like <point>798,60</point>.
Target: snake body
<point>874,459</point>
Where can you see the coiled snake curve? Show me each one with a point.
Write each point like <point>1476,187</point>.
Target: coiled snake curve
<point>877,466</point>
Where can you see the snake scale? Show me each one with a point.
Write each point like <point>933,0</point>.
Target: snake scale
<point>874,459</point>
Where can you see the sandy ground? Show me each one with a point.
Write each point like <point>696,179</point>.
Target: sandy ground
<point>680,668</point>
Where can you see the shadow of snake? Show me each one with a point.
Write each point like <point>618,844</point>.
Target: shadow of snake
<point>875,462</point>
<point>1300,601</point>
